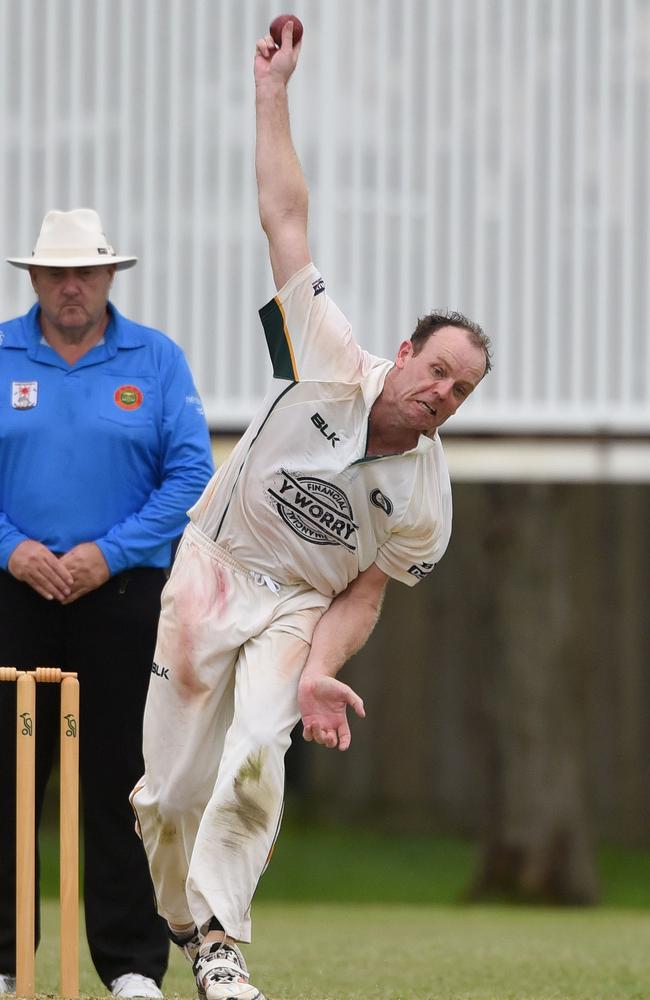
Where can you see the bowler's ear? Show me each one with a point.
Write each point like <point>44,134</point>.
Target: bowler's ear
<point>404,352</point>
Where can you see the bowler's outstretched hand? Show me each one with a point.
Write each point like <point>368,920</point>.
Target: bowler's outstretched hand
<point>323,702</point>
<point>274,62</point>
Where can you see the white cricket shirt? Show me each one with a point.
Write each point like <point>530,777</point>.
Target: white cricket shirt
<point>298,500</point>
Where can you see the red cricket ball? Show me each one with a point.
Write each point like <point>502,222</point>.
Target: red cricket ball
<point>278,23</point>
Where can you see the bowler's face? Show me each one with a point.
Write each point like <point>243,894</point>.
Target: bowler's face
<point>432,384</point>
<point>73,299</point>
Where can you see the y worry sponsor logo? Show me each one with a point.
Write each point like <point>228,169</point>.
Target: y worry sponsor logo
<point>316,511</point>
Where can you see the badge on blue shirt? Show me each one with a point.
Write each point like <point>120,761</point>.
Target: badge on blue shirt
<point>24,395</point>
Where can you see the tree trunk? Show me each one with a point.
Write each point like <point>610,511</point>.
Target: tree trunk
<point>535,844</point>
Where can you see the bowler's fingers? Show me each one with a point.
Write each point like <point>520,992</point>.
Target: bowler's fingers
<point>266,47</point>
<point>329,738</point>
<point>356,703</point>
<point>288,43</point>
<point>287,35</point>
<point>313,733</point>
<point>343,735</point>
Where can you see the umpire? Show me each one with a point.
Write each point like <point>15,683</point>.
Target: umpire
<point>103,448</point>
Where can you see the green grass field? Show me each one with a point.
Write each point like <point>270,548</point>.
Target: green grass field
<point>346,914</point>
<point>332,951</point>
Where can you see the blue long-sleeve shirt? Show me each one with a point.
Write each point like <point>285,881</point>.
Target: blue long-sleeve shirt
<point>113,449</point>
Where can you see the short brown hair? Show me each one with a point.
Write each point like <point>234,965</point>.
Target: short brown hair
<point>427,326</point>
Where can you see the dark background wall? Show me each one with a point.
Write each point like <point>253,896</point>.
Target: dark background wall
<point>513,686</point>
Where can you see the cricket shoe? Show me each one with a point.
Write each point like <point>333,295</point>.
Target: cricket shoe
<point>132,984</point>
<point>188,945</point>
<point>7,983</point>
<point>221,974</point>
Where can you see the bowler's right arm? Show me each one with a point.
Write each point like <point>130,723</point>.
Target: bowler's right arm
<point>282,190</point>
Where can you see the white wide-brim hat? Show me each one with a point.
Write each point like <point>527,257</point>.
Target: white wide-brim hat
<point>72,239</point>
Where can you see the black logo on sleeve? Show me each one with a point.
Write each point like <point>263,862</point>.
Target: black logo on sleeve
<point>323,427</point>
<point>421,569</point>
<point>318,286</point>
<point>316,511</point>
<point>380,500</point>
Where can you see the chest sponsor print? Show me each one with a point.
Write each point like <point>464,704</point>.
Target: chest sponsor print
<point>317,511</point>
<point>24,395</point>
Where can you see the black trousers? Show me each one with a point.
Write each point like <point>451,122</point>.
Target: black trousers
<point>108,637</point>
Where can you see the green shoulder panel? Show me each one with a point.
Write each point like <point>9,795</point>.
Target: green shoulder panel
<point>278,341</point>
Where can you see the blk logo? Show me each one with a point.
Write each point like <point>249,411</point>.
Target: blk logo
<point>323,427</point>
<point>420,570</point>
<point>160,671</point>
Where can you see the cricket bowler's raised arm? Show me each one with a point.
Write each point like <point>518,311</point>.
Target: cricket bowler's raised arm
<point>341,631</point>
<point>282,190</point>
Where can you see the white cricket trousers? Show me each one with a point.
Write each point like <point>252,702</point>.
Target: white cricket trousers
<point>221,706</point>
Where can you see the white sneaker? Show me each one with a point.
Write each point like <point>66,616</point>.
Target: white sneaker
<point>132,984</point>
<point>7,983</point>
<point>221,973</point>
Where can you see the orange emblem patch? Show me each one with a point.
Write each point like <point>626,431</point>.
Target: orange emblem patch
<point>128,397</point>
